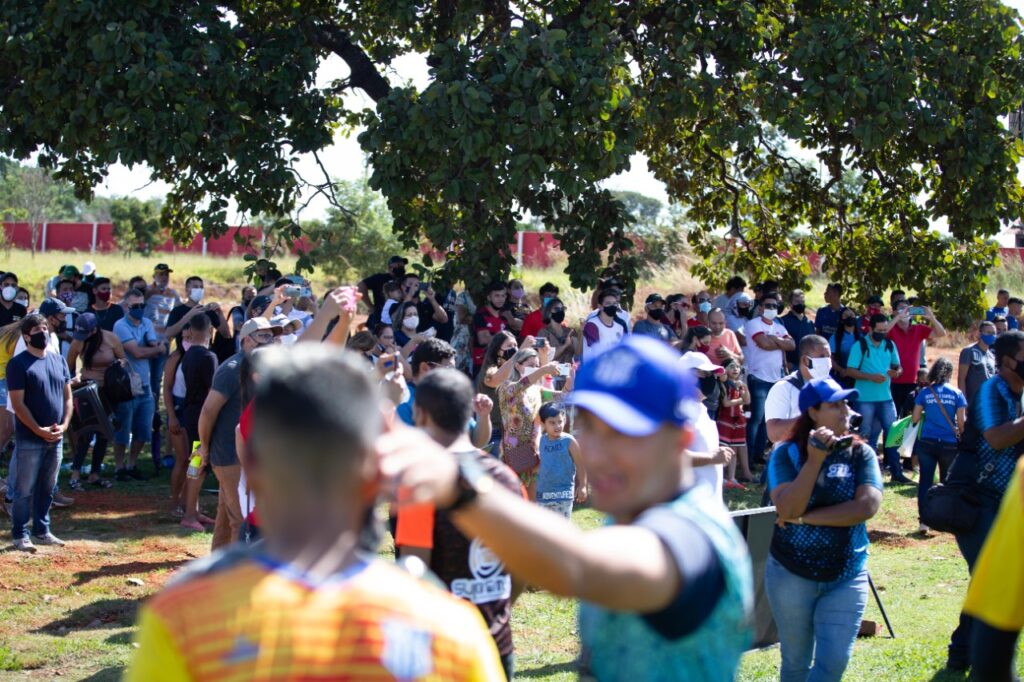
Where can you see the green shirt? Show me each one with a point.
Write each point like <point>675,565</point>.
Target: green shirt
<point>880,358</point>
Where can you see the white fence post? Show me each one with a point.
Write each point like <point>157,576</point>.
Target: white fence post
<point>95,229</point>
<point>42,247</point>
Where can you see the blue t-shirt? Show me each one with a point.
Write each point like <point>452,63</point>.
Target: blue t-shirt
<point>556,480</point>
<point>993,312</point>
<point>994,405</point>
<point>826,320</point>
<point>143,335</point>
<point>798,329</point>
<point>43,381</point>
<point>844,345</point>
<point>879,359</point>
<point>824,553</point>
<point>936,427</point>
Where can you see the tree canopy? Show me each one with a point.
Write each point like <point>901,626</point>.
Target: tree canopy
<point>839,126</point>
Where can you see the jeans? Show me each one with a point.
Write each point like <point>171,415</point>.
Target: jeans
<point>992,652</point>
<point>878,418</point>
<point>970,545</point>
<point>33,483</point>
<point>134,419</point>
<point>817,621</point>
<point>931,452</point>
<point>757,430</point>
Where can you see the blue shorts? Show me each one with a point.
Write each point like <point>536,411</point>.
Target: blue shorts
<point>135,419</point>
<point>3,392</point>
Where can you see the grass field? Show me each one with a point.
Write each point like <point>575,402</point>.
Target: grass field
<point>68,613</point>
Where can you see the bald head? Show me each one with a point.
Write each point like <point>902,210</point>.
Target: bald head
<point>716,321</point>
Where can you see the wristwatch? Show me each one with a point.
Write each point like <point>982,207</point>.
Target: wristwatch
<point>471,480</point>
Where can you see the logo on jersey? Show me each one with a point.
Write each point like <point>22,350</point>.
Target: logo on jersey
<point>489,582</point>
<point>839,470</point>
<point>407,650</point>
<point>616,368</point>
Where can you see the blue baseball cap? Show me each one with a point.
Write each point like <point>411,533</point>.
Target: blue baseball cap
<point>53,306</point>
<point>85,325</point>
<point>818,391</point>
<point>636,387</point>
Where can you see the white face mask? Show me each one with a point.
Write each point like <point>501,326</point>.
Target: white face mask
<point>9,293</point>
<point>23,301</point>
<point>820,368</point>
<point>527,371</point>
<point>769,313</point>
<point>196,295</point>
<point>411,322</point>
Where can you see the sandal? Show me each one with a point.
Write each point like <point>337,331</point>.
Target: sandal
<point>203,518</point>
<point>76,484</point>
<point>101,483</point>
<point>193,525</point>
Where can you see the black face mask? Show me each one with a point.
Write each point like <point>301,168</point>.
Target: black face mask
<point>707,385</point>
<point>798,308</point>
<point>878,336</point>
<point>38,341</point>
<point>849,322</point>
<point>610,310</point>
<point>398,272</point>
<point>558,316</point>
<point>743,312</point>
<point>657,314</point>
<point>508,354</point>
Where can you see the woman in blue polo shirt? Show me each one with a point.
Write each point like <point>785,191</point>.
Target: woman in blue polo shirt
<point>824,485</point>
<point>945,413</point>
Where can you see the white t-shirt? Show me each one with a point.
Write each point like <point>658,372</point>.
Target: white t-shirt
<point>766,365</point>
<point>606,336</point>
<point>783,402</point>
<point>705,439</point>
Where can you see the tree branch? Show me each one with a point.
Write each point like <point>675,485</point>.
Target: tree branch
<point>365,75</point>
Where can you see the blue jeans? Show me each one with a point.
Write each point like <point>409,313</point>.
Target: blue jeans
<point>33,483</point>
<point>932,453</point>
<point>878,418</point>
<point>817,622</point>
<point>135,419</point>
<point>757,430</point>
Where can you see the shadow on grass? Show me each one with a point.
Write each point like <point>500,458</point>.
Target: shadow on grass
<point>546,670</point>
<point>131,568</point>
<point>99,614</point>
<point>949,676</point>
<point>120,638</point>
<point>112,674</point>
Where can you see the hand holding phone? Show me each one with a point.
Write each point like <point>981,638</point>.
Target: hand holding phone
<point>541,342</point>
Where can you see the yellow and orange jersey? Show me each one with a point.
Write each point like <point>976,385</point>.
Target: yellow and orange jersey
<point>243,617</point>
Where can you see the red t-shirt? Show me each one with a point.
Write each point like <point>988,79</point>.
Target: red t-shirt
<point>484,320</point>
<point>245,430</point>
<point>533,323</point>
<point>908,345</point>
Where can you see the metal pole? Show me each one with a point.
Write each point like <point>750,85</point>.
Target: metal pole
<point>881,608</point>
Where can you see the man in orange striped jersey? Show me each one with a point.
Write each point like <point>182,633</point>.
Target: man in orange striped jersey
<point>308,603</point>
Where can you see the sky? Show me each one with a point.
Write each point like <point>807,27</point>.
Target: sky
<point>344,160</point>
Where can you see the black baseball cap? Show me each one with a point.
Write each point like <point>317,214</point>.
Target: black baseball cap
<point>654,298</point>
<point>398,259</point>
<point>162,267</point>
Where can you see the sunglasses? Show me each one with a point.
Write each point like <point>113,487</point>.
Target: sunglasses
<point>137,306</point>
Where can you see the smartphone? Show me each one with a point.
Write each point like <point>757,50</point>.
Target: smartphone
<point>293,291</point>
<point>424,286</point>
<point>541,343</point>
<point>841,443</point>
<point>916,311</point>
<point>564,369</point>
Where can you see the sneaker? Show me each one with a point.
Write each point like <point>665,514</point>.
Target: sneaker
<point>903,479</point>
<point>49,540</point>
<point>135,474</point>
<point>61,500</point>
<point>76,484</point>
<point>923,529</point>
<point>24,545</point>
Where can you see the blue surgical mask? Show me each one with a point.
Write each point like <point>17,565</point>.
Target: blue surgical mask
<point>705,307</point>
<point>545,301</point>
<point>988,339</point>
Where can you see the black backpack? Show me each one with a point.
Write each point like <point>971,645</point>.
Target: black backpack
<point>117,384</point>
<point>864,348</point>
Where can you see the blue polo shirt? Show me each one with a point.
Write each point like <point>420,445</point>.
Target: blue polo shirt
<point>142,334</point>
<point>824,553</point>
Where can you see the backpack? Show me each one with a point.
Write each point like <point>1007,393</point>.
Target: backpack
<point>117,384</point>
<point>864,348</point>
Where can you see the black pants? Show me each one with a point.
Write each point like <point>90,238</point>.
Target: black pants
<point>900,395</point>
<point>99,451</point>
<point>992,653</point>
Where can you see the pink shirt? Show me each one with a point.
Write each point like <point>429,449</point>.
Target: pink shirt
<point>727,341</point>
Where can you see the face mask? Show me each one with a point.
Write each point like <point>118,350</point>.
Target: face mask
<point>398,272</point>
<point>9,293</point>
<point>527,371</point>
<point>849,322</point>
<point>38,341</point>
<point>23,301</point>
<point>196,294</point>
<point>137,313</point>
<point>67,296</point>
<point>517,293</point>
<point>988,339</point>
<point>743,313</point>
<point>544,301</point>
<point>705,307</point>
<point>657,314</point>
<point>103,295</point>
<point>798,308</point>
<point>703,347</point>
<point>878,336</point>
<point>769,314</point>
<point>707,385</point>
<point>509,354</point>
<point>558,316</point>
<point>610,310</point>
<point>820,368</point>
<point>411,322</point>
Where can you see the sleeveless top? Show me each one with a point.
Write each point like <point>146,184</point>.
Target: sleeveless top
<point>622,646</point>
<point>557,478</point>
<point>103,359</point>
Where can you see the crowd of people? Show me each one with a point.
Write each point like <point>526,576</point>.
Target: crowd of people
<point>483,417</point>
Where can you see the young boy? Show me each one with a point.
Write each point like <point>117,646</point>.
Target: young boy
<point>393,291</point>
<point>562,478</point>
